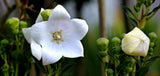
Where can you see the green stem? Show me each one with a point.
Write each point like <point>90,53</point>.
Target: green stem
<point>16,72</point>
<point>26,73</point>
<point>50,70</point>
<point>134,70</point>
<point>147,10</point>
<point>58,69</point>
<point>17,43</point>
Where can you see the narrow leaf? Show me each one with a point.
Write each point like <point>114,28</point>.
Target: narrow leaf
<point>154,10</point>
<point>130,11</point>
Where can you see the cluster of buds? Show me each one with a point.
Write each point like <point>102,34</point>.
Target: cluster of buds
<point>15,26</point>
<point>102,44</point>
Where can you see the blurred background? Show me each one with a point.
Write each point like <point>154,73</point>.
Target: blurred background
<point>116,24</point>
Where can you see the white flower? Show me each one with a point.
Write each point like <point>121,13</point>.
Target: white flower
<point>135,43</point>
<point>57,37</point>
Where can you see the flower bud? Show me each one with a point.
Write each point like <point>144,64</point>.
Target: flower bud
<point>5,68</point>
<point>22,24</point>
<point>151,44</point>
<point>12,69</point>
<point>137,7</point>
<point>102,43</point>
<point>45,14</point>
<point>135,43</point>
<point>13,25</point>
<point>142,1</point>
<point>4,42</point>
<point>110,72</point>
<point>115,41</point>
<point>152,36</point>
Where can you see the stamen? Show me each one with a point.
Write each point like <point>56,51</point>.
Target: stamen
<point>57,36</point>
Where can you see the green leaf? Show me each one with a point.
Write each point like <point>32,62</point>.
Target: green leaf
<point>130,11</point>
<point>133,22</point>
<point>142,71</point>
<point>152,59</point>
<point>154,10</point>
<point>39,65</point>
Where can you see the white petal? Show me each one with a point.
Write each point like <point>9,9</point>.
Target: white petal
<point>39,18</point>
<point>40,31</point>
<point>138,33</point>
<point>59,13</point>
<point>129,44</point>
<point>51,52</point>
<point>72,49</point>
<point>27,34</point>
<point>36,50</point>
<point>81,28</point>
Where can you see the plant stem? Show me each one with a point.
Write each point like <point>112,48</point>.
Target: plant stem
<point>16,72</point>
<point>17,43</point>
<point>102,19</point>
<point>50,70</point>
<point>102,26</point>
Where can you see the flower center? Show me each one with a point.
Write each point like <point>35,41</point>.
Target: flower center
<point>57,36</point>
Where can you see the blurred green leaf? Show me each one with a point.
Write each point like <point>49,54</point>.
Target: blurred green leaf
<point>39,65</point>
<point>152,59</point>
<point>130,11</point>
<point>142,71</point>
<point>154,10</point>
<point>133,22</point>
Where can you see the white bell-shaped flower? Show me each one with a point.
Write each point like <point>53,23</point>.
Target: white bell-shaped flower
<point>135,43</point>
<point>57,37</point>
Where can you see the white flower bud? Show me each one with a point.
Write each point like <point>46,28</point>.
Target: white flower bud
<point>135,43</point>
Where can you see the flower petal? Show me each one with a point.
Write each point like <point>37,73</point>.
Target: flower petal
<point>27,34</point>
<point>72,49</point>
<point>141,49</point>
<point>39,18</point>
<point>81,28</point>
<point>51,52</point>
<point>40,32</point>
<point>59,13</point>
<point>129,44</point>
<point>36,50</point>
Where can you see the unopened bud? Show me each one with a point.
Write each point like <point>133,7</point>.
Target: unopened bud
<point>152,36</point>
<point>110,72</point>
<point>135,43</point>
<point>116,41</point>
<point>22,24</point>
<point>4,42</point>
<point>13,25</point>
<point>102,43</point>
<point>45,14</point>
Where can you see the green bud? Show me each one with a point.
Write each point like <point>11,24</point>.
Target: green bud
<point>12,69</point>
<point>5,68</point>
<point>102,53</point>
<point>149,2</point>
<point>110,72</point>
<point>150,49</point>
<point>102,44</point>
<point>22,24</point>
<point>137,7</point>
<point>129,61</point>
<point>115,41</point>
<point>4,42</point>
<point>128,69</point>
<point>152,36</point>
<point>45,14</point>
<point>151,44</point>
<point>13,25</point>
<point>142,1</point>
